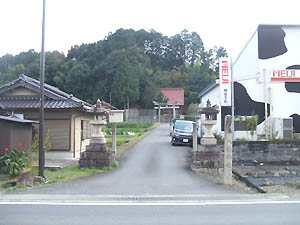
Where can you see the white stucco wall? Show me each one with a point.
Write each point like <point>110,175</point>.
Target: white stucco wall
<point>214,98</point>
<point>246,66</point>
<point>248,70</point>
<point>76,142</point>
<point>283,103</point>
<point>291,57</point>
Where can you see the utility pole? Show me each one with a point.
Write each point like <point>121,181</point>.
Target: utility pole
<point>42,75</point>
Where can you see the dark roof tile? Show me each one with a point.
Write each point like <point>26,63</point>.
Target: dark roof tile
<point>16,102</point>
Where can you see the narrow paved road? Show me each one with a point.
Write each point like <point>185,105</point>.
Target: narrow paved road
<point>261,214</point>
<point>153,185</point>
<point>151,167</point>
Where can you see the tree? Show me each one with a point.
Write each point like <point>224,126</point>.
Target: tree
<point>12,73</point>
<point>218,53</point>
<point>117,76</point>
<point>125,65</point>
<point>77,81</point>
<point>199,78</point>
<point>6,61</point>
<point>193,109</point>
<point>193,46</point>
<point>53,61</point>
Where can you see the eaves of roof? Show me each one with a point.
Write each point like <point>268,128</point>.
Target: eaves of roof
<point>208,88</point>
<point>50,91</point>
<point>278,25</point>
<point>108,105</point>
<point>16,119</point>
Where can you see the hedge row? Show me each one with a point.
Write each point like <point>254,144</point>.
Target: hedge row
<point>130,125</point>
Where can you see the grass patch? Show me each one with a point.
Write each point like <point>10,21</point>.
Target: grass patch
<point>71,173</point>
<point>62,175</point>
<point>121,139</point>
<point>133,140</point>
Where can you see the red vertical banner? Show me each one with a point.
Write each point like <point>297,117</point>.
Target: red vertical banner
<point>225,81</point>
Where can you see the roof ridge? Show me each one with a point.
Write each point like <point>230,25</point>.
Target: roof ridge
<point>49,88</point>
<point>46,86</point>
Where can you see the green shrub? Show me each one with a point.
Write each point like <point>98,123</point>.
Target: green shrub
<point>115,164</point>
<point>122,131</point>
<point>193,109</point>
<point>219,137</point>
<point>14,162</point>
<point>130,125</point>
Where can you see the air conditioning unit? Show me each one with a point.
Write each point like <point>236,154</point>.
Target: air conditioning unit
<point>282,128</point>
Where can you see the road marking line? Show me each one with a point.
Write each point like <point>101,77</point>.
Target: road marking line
<point>146,196</point>
<point>187,203</point>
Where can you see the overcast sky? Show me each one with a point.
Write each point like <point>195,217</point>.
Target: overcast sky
<point>228,23</point>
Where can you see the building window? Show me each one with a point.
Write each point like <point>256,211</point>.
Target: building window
<point>86,129</point>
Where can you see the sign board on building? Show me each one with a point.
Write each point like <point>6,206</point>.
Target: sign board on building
<point>225,81</point>
<point>285,75</point>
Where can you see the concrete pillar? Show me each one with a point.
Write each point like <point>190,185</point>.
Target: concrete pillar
<point>195,137</point>
<point>114,138</point>
<point>228,151</point>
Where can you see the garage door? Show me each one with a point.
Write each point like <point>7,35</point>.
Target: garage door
<point>59,131</point>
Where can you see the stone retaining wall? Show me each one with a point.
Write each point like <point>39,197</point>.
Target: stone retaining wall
<point>266,152</point>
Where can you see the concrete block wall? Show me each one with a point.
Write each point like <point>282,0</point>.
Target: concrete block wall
<point>266,152</point>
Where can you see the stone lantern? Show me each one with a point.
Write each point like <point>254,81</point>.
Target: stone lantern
<point>208,155</point>
<point>97,153</point>
<point>210,113</point>
<point>97,135</point>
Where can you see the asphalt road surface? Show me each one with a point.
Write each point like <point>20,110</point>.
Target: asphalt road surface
<point>152,185</point>
<point>236,214</point>
<point>151,167</point>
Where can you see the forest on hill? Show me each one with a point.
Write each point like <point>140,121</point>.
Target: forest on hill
<point>125,66</point>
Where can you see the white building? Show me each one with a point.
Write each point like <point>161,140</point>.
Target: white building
<point>266,82</point>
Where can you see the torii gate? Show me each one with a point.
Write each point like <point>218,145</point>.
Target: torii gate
<point>160,106</point>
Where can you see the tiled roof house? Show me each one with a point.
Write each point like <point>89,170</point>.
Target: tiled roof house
<point>66,117</point>
<point>174,95</point>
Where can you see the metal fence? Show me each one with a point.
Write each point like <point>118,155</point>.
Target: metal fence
<point>148,115</point>
<point>142,115</point>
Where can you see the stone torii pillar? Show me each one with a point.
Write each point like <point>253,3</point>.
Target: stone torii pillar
<point>159,113</point>
<point>174,111</point>
<point>160,106</point>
